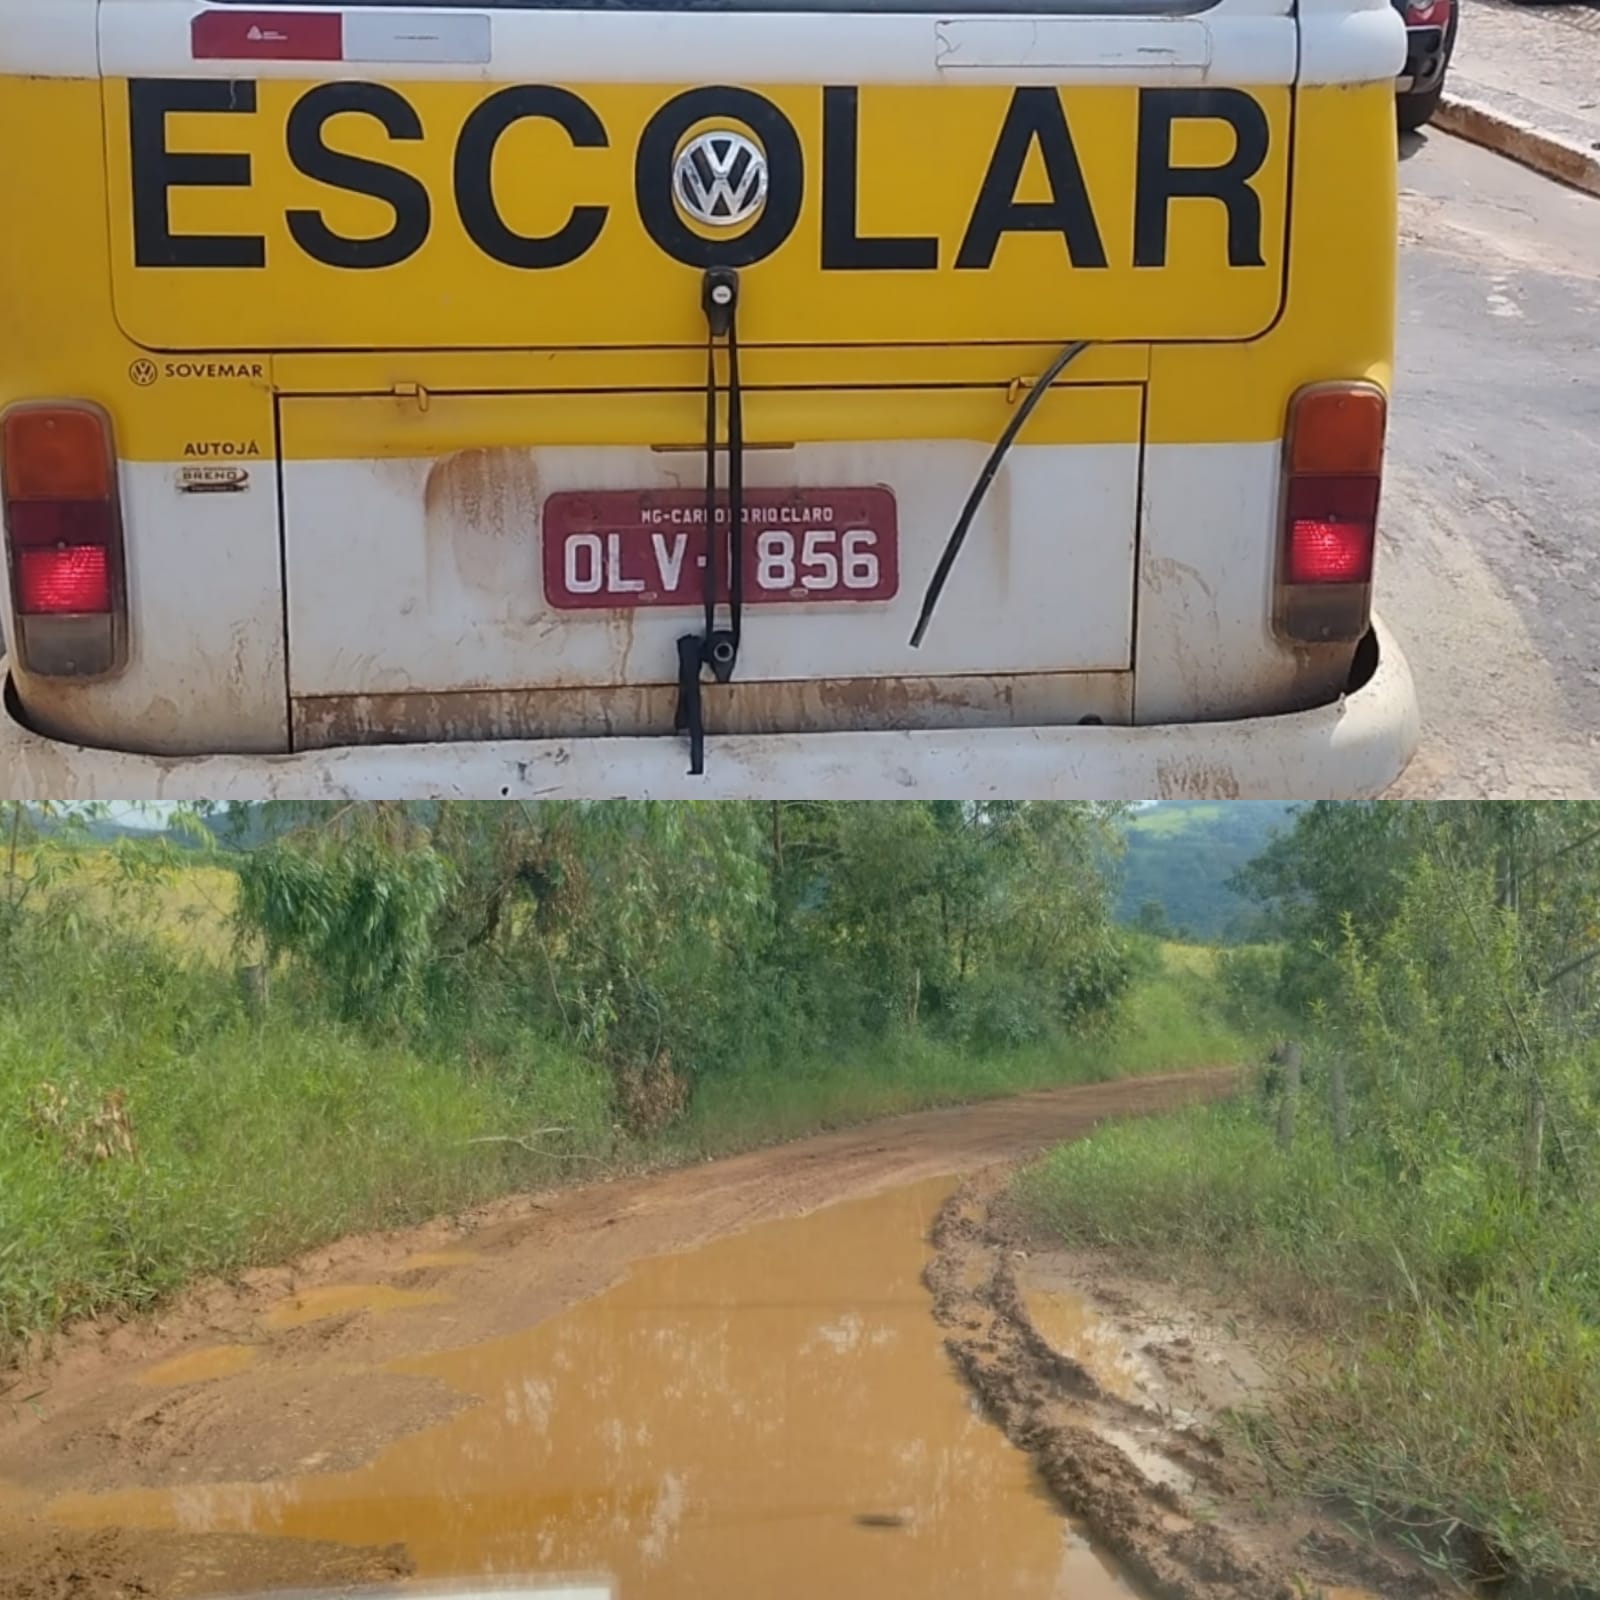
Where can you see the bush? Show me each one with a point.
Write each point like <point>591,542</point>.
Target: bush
<point>1252,983</point>
<point>999,1011</point>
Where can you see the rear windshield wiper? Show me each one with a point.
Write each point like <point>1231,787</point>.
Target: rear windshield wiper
<point>714,647</point>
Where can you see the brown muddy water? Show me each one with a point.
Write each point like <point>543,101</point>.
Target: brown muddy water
<point>772,1414</point>
<point>1069,1324</point>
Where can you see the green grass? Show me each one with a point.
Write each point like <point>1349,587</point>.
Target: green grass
<point>251,1143</point>
<point>1461,1405</point>
<point>257,1138</point>
<point>1197,958</point>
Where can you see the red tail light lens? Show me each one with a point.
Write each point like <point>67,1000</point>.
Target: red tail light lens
<point>1333,461</point>
<point>1331,526</point>
<point>63,538</point>
<point>63,579</point>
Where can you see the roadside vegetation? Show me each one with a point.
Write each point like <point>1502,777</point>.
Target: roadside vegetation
<point>1418,1184</point>
<point>276,1025</point>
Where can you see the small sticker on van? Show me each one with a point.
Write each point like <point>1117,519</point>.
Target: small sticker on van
<point>212,480</point>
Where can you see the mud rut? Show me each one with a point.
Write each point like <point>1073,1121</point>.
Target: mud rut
<point>1104,1459</point>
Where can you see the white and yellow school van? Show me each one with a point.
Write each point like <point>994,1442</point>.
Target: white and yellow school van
<point>696,397</point>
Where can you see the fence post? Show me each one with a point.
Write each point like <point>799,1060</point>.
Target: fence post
<point>253,986</point>
<point>1338,1101</point>
<point>1290,1094</point>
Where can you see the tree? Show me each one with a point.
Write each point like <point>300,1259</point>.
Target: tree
<point>709,934</point>
<point>1451,950</point>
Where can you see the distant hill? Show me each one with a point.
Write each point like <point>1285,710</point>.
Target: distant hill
<point>84,828</point>
<point>1181,854</point>
<point>249,824</point>
<point>235,827</point>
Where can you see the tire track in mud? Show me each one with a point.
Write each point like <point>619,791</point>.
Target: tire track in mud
<point>1165,1498</point>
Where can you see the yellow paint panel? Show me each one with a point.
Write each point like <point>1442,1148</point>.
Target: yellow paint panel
<point>555,371</point>
<point>343,429</point>
<point>60,337</point>
<point>1338,322</point>
<point>927,157</point>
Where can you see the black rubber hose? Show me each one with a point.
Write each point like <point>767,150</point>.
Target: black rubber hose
<point>958,534</point>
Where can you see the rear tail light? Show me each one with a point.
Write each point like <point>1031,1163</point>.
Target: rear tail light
<point>1333,470</point>
<point>63,539</point>
<point>62,580</point>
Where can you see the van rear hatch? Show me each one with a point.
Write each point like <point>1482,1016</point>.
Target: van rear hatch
<point>473,243</point>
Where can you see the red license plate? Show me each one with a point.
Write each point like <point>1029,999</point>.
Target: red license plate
<point>618,548</point>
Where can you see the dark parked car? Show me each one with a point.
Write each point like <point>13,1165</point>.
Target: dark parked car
<point>1430,37</point>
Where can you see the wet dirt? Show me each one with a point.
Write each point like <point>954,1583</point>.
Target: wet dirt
<point>658,1374</point>
<point>199,1366</point>
<point>333,1299</point>
<point>1116,1386</point>
<point>771,1413</point>
<point>1067,1322</point>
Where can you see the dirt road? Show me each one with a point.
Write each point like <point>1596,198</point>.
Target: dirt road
<point>692,1383</point>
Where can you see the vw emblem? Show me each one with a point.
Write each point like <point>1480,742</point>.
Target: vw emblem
<point>720,178</point>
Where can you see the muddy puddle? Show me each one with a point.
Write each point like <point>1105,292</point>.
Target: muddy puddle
<point>1068,1323</point>
<point>334,1299</point>
<point>773,1414</point>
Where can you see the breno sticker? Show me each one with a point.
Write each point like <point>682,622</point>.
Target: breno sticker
<point>212,480</point>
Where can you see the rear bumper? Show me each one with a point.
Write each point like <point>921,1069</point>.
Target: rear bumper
<point>1354,748</point>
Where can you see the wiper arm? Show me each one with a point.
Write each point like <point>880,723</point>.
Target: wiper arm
<point>717,648</point>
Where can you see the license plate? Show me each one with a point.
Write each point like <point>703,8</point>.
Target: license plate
<point>620,548</point>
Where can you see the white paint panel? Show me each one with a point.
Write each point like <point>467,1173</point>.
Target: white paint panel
<point>1248,42</point>
<point>1205,580</point>
<point>1207,563</point>
<point>417,36</point>
<point>1103,44</point>
<point>49,38</point>
<point>1358,45</point>
<point>386,598</point>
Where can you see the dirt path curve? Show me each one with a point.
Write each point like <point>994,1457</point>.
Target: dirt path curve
<point>305,1347</point>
